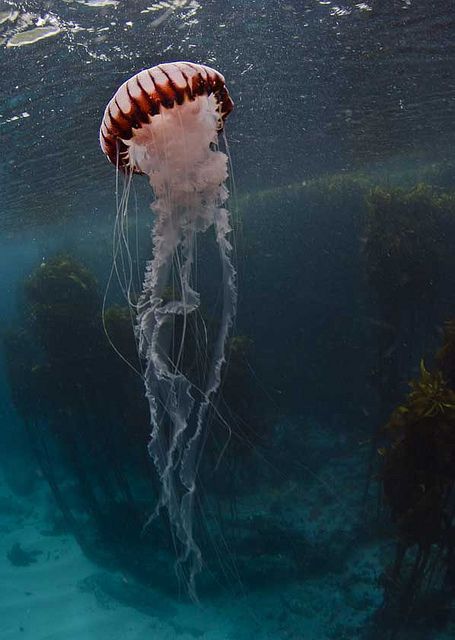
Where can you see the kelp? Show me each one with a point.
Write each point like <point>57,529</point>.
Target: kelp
<point>404,234</point>
<point>418,481</point>
<point>406,251</point>
<point>406,254</point>
<point>83,411</point>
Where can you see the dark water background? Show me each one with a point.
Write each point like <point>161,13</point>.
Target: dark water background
<point>332,100</point>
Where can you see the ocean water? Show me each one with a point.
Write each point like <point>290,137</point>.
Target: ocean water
<point>323,504</point>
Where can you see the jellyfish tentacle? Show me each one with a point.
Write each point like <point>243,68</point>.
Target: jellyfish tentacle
<point>168,390</point>
<point>171,394</point>
<point>195,445</point>
<point>190,459</point>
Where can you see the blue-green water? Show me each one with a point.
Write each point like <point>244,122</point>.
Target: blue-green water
<point>325,503</point>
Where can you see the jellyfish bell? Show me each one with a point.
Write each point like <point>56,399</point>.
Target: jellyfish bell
<point>157,91</point>
<point>165,122</point>
<point>162,122</point>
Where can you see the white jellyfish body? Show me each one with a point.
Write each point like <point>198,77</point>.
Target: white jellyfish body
<point>164,122</point>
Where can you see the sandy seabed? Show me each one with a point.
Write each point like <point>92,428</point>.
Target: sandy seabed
<point>49,590</point>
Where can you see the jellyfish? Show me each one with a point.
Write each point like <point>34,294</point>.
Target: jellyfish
<point>165,122</point>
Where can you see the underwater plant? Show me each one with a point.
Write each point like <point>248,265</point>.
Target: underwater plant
<point>62,297</point>
<point>403,232</point>
<point>445,356</point>
<point>407,254</point>
<point>164,122</point>
<point>404,247</point>
<point>74,397</point>
<point>418,481</point>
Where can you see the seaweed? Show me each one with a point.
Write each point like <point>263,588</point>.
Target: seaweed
<point>406,254</point>
<point>418,481</point>
<point>82,408</point>
<point>405,251</point>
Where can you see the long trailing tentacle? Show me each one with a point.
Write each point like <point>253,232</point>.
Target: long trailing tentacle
<point>167,388</point>
<point>179,407</point>
<point>194,448</point>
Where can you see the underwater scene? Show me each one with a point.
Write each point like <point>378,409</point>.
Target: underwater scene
<point>227,320</point>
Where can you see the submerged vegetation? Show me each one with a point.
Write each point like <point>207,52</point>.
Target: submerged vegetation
<point>407,251</point>
<point>86,429</point>
<point>418,479</point>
